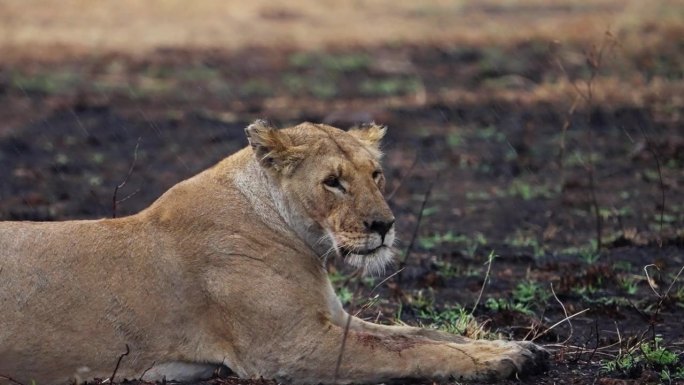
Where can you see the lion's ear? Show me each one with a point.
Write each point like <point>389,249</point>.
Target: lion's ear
<point>369,133</point>
<point>273,149</point>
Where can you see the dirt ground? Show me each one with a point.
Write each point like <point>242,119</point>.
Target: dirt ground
<point>538,165</point>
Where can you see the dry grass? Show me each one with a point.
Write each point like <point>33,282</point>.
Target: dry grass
<point>48,29</point>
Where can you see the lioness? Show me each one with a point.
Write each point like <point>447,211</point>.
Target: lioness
<point>227,268</point>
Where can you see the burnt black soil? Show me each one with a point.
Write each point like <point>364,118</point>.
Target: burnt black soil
<point>497,175</point>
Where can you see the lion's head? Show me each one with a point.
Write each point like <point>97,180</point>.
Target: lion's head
<point>330,184</point>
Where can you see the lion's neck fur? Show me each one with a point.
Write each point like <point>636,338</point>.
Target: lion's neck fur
<point>268,205</point>
<point>272,206</point>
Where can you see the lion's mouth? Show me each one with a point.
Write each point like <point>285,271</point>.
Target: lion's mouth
<point>349,251</point>
<point>373,261</point>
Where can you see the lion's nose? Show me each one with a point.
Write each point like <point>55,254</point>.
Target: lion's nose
<point>380,227</point>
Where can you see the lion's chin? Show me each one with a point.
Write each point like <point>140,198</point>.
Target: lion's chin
<point>373,263</point>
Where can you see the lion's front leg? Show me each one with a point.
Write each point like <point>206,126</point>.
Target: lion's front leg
<point>520,352</point>
<point>372,357</point>
<point>397,330</point>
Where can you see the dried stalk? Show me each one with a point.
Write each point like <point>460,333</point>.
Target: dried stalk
<point>123,183</point>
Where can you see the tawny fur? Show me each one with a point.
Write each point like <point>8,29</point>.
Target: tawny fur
<point>226,268</point>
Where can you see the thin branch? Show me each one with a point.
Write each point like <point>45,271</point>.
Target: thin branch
<point>344,342</point>
<point>565,311</point>
<point>146,370</point>
<point>129,196</point>
<point>662,298</point>
<point>578,348</point>
<point>650,281</point>
<point>564,129</point>
<point>490,260</point>
<point>118,362</point>
<point>598,339</point>
<point>370,302</point>
<point>403,177</point>
<point>346,333</point>
<point>426,198</point>
<point>667,292</point>
<point>594,60</point>
<point>651,149</point>
<point>10,379</point>
<point>619,341</point>
<point>123,183</point>
<point>558,323</point>
<point>567,122</point>
<point>379,284</point>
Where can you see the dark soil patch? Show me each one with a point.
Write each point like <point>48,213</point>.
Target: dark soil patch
<point>504,178</point>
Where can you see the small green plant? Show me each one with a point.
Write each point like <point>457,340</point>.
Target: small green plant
<point>526,241</point>
<point>452,319</point>
<point>589,254</point>
<point>490,133</point>
<point>469,243</point>
<point>629,285</point>
<point>627,365</point>
<point>590,258</point>
<point>421,301</point>
<point>345,295</point>
<point>656,355</point>
<point>454,139</point>
<point>660,358</point>
<point>585,291</point>
<point>528,292</point>
<point>447,270</point>
<point>651,354</point>
<point>478,195</point>
<point>430,241</point>
<point>430,211</point>
<point>337,277</point>
<point>501,304</point>
<point>622,265</point>
<point>578,158</point>
<point>528,191</point>
<point>668,375</point>
<point>525,295</point>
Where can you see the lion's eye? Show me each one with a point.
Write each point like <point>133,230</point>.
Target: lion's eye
<point>376,174</point>
<point>333,182</point>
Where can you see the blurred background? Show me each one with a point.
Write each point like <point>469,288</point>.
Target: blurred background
<point>545,133</point>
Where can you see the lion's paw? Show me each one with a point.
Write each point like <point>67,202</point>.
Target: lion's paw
<point>519,358</point>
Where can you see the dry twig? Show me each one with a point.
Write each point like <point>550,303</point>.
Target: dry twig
<point>490,260</point>
<point>118,362</point>
<point>346,331</point>
<point>651,149</point>
<point>426,198</point>
<point>10,379</point>
<point>564,312</point>
<point>123,183</point>
<point>594,60</point>
<point>558,323</point>
<point>662,298</point>
<point>403,178</point>
<point>146,370</point>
